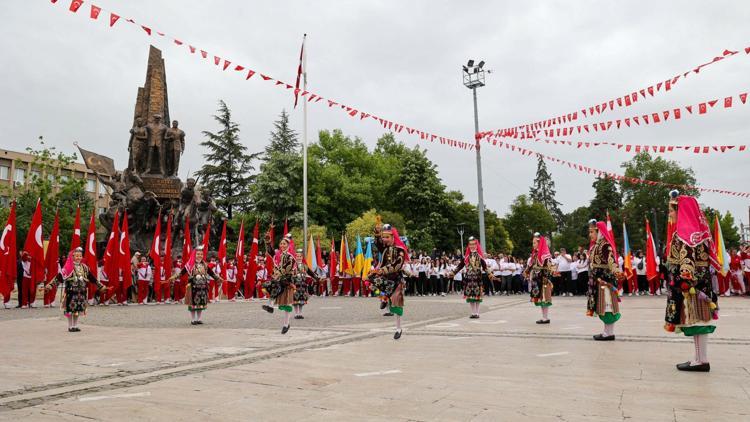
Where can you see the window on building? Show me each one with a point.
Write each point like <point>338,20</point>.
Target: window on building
<point>102,211</point>
<point>20,176</point>
<point>4,201</point>
<point>35,174</point>
<point>51,177</point>
<point>90,185</point>
<point>63,178</point>
<point>4,172</point>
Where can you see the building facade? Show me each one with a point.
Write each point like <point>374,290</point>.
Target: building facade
<point>17,169</point>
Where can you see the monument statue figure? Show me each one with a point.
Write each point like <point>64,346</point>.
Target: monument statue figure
<point>138,146</point>
<point>156,133</point>
<point>175,146</point>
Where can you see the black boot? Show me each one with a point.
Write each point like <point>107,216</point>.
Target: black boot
<point>284,329</point>
<point>602,337</point>
<point>268,309</point>
<point>383,304</point>
<point>703,367</point>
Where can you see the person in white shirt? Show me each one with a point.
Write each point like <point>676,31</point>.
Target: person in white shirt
<point>563,262</point>
<point>582,265</point>
<point>491,268</point>
<point>639,263</point>
<point>504,273</point>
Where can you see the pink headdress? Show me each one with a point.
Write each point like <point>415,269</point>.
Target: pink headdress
<point>67,269</point>
<point>467,253</point>
<point>542,251</point>
<point>692,227</point>
<point>397,242</point>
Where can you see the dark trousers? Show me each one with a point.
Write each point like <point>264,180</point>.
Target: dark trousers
<point>507,284</point>
<point>642,283</point>
<point>421,281</point>
<point>566,282</point>
<point>582,284</point>
<point>517,283</point>
<point>488,287</point>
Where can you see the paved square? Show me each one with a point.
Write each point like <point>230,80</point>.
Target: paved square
<point>340,363</point>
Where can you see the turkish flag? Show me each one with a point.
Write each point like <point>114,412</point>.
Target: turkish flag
<point>269,257</point>
<point>239,256</point>
<point>112,19</point>
<point>252,268</point>
<point>8,254</point>
<point>95,10</point>
<point>111,255</point>
<point>34,246</point>
<point>702,108</point>
<point>332,261</point>
<point>76,241</point>
<point>727,102</point>
<point>52,258</point>
<point>743,97</point>
<point>223,251</point>
<point>167,264</point>
<point>677,113</point>
<point>89,257</point>
<point>206,239</point>
<point>319,253</point>
<point>187,244</point>
<point>75,5</point>
<point>147,29</point>
<point>652,271</point>
<point>155,252</point>
<point>124,253</point>
<point>226,64</point>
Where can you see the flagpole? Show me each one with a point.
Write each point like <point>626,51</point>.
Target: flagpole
<point>304,146</point>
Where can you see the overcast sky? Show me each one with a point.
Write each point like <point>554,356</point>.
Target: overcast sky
<point>68,78</point>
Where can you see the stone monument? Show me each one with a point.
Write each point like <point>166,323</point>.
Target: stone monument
<point>150,183</point>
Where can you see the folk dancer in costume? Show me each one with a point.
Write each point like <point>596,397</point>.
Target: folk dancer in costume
<point>301,294</point>
<point>692,305</point>
<point>539,274</point>
<point>145,276</point>
<point>76,276</point>
<point>231,280</point>
<point>387,276</point>
<point>475,266</point>
<point>281,286</point>
<point>196,294</point>
<point>603,297</point>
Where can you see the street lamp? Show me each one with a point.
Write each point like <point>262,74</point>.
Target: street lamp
<point>473,79</point>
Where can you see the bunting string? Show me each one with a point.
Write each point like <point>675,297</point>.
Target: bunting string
<point>628,122</point>
<point>625,100</point>
<point>224,64</point>
<point>637,148</point>
<point>601,173</point>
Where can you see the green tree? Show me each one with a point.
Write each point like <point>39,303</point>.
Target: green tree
<point>228,171</point>
<point>543,191</point>
<point>640,198</point>
<point>729,230</point>
<point>283,138</point>
<point>341,171</point>
<point>574,232</point>
<point>277,191</point>
<point>524,219</point>
<point>58,190</point>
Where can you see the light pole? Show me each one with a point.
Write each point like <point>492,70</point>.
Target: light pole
<point>473,79</point>
<point>460,230</point>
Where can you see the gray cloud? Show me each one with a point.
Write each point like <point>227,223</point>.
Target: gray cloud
<point>69,79</point>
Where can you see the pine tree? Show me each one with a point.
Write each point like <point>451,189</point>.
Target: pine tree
<point>277,192</point>
<point>543,191</point>
<point>283,139</point>
<point>228,169</point>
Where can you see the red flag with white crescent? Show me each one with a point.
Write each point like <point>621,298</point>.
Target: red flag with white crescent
<point>34,246</point>
<point>155,252</point>
<point>168,248</point>
<point>123,251</point>
<point>222,254</point>
<point>89,257</point>
<point>8,254</point>
<point>52,258</point>
<point>239,255</point>
<point>111,256</point>
<point>76,241</point>
<point>299,71</point>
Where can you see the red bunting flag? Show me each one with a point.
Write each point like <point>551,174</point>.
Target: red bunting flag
<point>95,10</point>
<point>147,29</point>
<point>727,102</point>
<point>75,5</point>
<point>52,257</point>
<point>123,252</point>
